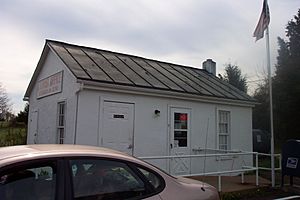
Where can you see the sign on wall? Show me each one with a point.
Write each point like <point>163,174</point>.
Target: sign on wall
<point>50,85</point>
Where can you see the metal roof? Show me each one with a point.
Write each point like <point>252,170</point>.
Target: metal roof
<point>121,69</point>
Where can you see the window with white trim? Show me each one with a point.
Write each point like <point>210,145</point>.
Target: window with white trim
<point>61,122</point>
<point>180,129</point>
<point>224,129</point>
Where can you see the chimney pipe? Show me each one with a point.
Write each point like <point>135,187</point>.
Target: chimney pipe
<point>210,66</point>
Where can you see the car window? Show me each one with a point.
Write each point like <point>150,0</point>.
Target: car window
<point>105,179</point>
<point>152,178</point>
<point>38,182</point>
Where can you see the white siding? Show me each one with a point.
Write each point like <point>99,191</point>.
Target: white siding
<point>151,132</point>
<point>47,106</point>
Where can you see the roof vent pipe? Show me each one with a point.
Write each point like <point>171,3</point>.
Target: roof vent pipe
<point>210,66</point>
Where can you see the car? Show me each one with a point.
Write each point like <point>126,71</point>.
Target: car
<point>60,172</point>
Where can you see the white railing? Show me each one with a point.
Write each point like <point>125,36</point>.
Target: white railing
<point>219,173</point>
<point>269,168</point>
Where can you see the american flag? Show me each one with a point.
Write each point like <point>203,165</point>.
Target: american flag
<point>263,22</point>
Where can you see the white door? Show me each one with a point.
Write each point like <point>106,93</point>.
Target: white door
<point>180,140</point>
<point>33,139</point>
<point>118,121</point>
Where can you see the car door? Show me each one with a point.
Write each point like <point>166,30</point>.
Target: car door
<point>102,178</point>
<point>34,179</point>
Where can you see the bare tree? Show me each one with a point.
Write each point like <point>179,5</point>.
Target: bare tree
<point>5,105</point>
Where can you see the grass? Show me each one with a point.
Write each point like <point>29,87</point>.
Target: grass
<point>265,161</point>
<point>12,135</point>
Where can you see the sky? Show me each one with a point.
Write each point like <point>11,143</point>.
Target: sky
<point>184,32</point>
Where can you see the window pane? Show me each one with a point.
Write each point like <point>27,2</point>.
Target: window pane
<point>223,116</point>
<point>104,179</point>
<point>180,120</point>
<point>258,138</point>
<point>223,147</point>
<point>61,120</point>
<point>180,138</point>
<point>152,178</point>
<point>61,108</point>
<point>223,142</point>
<point>61,123</point>
<point>224,129</point>
<point>61,135</point>
<point>221,128</point>
<point>223,139</point>
<point>29,183</point>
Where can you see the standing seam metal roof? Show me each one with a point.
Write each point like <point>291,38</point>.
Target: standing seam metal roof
<point>121,69</point>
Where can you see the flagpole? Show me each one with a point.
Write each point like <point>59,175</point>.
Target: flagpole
<point>271,106</point>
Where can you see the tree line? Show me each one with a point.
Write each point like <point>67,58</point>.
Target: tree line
<point>285,86</point>
<point>6,109</point>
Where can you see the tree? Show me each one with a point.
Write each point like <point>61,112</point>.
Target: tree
<point>23,115</point>
<point>5,105</point>
<point>261,111</point>
<point>233,75</point>
<point>287,83</point>
<point>286,88</point>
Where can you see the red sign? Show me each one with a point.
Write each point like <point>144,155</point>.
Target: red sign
<point>183,117</point>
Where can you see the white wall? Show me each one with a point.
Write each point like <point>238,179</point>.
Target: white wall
<point>47,106</point>
<point>151,133</point>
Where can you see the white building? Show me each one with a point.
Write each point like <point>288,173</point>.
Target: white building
<point>144,107</point>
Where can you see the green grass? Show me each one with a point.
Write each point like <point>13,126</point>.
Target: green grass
<point>4,124</point>
<point>266,161</point>
<point>12,135</point>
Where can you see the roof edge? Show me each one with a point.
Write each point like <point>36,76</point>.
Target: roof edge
<point>159,93</point>
<point>37,71</point>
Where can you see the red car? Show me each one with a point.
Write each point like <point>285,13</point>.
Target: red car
<point>60,172</point>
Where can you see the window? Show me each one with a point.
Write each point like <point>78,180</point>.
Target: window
<point>61,122</point>
<point>180,129</point>
<point>106,179</point>
<point>34,182</point>
<point>224,130</point>
<point>153,179</point>
<point>258,138</point>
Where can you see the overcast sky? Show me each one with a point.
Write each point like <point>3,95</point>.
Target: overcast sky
<point>179,31</point>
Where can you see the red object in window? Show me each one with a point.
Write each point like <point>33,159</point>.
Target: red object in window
<point>183,117</point>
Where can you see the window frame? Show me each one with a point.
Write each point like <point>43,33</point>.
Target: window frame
<point>55,162</point>
<point>227,135</point>
<point>151,191</point>
<point>186,129</point>
<point>60,136</point>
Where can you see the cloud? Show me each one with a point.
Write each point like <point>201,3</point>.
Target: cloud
<point>184,32</point>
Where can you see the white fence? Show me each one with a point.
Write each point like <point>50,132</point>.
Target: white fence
<point>223,153</point>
